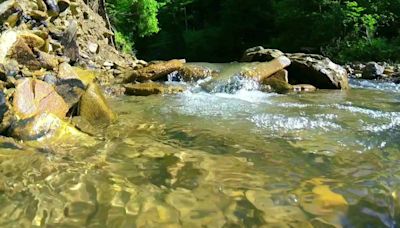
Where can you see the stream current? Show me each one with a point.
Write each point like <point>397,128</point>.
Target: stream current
<point>234,157</point>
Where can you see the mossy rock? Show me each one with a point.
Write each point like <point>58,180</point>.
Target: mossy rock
<point>94,107</point>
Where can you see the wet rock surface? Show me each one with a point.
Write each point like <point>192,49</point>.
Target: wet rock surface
<point>318,71</point>
<point>52,54</point>
<point>152,88</point>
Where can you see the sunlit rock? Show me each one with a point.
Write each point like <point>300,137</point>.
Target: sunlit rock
<point>190,73</point>
<point>7,40</point>
<point>151,88</point>
<point>49,128</point>
<point>262,71</point>
<point>322,202</point>
<point>155,71</point>
<point>278,82</point>
<point>33,97</point>
<point>94,107</point>
<point>259,54</point>
<point>316,70</point>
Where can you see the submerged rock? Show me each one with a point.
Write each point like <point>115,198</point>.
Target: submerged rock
<point>33,97</point>
<point>316,70</point>
<point>155,71</point>
<point>151,88</point>
<point>94,107</point>
<point>47,127</point>
<point>372,71</point>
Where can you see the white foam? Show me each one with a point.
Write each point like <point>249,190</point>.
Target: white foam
<point>279,122</point>
<point>367,84</point>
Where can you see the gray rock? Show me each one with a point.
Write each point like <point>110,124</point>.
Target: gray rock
<point>372,71</point>
<point>316,70</point>
<point>260,54</point>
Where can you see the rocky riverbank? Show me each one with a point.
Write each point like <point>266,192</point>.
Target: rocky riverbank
<point>54,56</point>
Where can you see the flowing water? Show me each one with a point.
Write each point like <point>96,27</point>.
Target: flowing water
<point>238,159</point>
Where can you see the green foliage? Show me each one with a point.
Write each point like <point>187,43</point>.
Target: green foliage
<point>123,43</point>
<point>133,19</point>
<point>219,30</point>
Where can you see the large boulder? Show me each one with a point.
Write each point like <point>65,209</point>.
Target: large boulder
<point>155,71</point>
<point>372,71</point>
<point>33,97</point>
<point>260,54</point>
<point>316,70</point>
<point>94,107</point>
<point>151,88</point>
<point>264,70</point>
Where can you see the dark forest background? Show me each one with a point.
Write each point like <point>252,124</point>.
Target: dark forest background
<point>220,30</point>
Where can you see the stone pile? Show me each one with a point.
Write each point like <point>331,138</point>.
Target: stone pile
<point>53,54</point>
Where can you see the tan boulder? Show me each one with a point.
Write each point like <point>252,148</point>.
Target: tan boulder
<point>151,88</point>
<point>190,73</point>
<point>278,82</point>
<point>32,40</point>
<point>155,71</point>
<point>94,107</point>
<point>264,70</point>
<point>66,71</point>
<point>33,97</point>
<point>49,129</point>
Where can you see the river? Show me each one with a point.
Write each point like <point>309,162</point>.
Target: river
<point>239,159</point>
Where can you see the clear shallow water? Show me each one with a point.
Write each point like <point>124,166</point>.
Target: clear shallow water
<point>248,159</point>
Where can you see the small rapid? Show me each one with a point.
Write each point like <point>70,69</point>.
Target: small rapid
<point>221,154</point>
